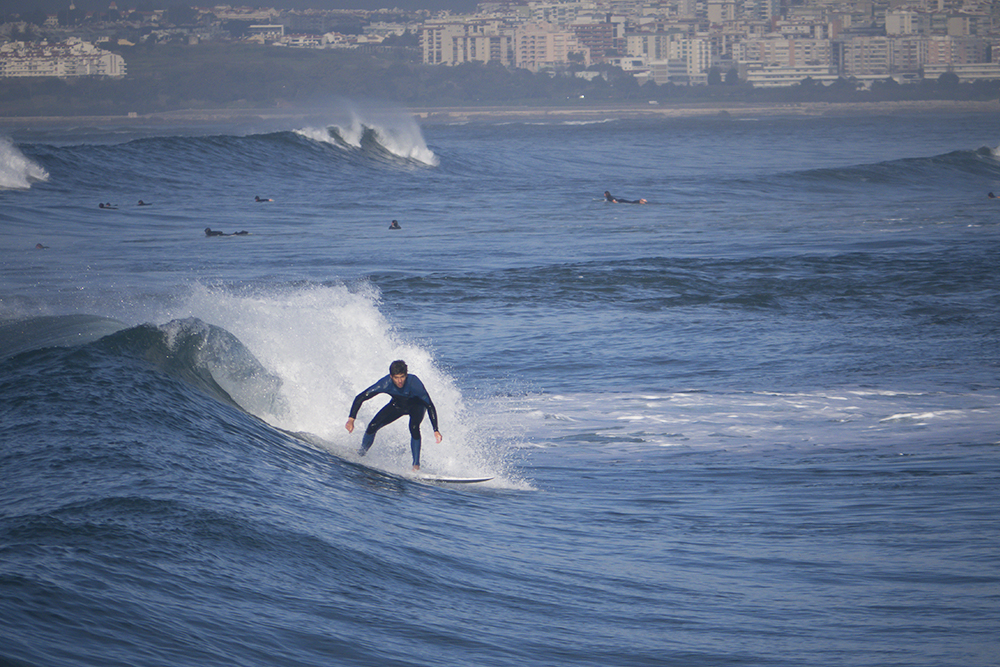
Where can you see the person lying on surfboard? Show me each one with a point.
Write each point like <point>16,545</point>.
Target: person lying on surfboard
<point>408,398</point>
<point>618,200</point>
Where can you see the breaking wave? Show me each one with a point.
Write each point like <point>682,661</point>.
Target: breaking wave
<point>17,172</point>
<point>396,134</point>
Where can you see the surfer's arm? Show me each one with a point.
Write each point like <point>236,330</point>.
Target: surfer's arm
<point>374,390</point>
<point>432,414</point>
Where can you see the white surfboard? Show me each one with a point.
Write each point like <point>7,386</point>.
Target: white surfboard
<point>441,479</point>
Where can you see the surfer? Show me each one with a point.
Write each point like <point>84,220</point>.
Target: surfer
<point>211,232</point>
<point>142,203</point>
<point>107,206</point>
<point>394,225</point>
<point>618,200</point>
<point>992,196</point>
<point>259,200</point>
<point>408,398</point>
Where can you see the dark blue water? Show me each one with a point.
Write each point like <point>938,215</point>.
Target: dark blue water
<point>752,422</point>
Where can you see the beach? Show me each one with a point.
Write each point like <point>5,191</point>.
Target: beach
<point>581,112</point>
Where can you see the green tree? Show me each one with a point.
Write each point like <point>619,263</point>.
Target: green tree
<point>948,82</point>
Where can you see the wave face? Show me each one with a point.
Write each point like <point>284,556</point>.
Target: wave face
<point>913,172</point>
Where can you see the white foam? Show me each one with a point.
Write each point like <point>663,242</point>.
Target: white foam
<point>326,344</point>
<point>396,132</point>
<point>852,417</point>
<point>17,172</point>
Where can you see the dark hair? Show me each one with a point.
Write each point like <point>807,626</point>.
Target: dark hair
<point>397,367</point>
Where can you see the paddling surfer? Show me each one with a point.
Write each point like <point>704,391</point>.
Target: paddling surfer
<point>618,200</point>
<point>409,397</point>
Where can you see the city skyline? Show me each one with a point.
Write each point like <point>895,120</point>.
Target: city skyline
<point>52,6</point>
<point>680,42</point>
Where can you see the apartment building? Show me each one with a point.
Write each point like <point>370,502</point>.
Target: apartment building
<point>450,42</point>
<point>948,50</point>
<point>785,52</point>
<point>598,38</point>
<point>541,44</point>
<point>71,58</point>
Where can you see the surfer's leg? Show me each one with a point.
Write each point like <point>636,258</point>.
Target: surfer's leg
<point>367,440</point>
<point>415,452</point>
<point>417,411</point>
<point>386,415</point>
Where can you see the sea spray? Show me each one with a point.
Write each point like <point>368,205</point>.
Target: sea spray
<point>17,172</point>
<point>395,132</point>
<point>325,344</point>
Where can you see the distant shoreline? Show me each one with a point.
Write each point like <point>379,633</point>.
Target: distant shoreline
<point>433,115</point>
<point>735,110</point>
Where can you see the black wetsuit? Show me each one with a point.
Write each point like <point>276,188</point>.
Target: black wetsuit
<point>616,200</point>
<point>411,399</point>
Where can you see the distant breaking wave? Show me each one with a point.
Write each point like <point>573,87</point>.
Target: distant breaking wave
<point>397,135</point>
<point>16,171</point>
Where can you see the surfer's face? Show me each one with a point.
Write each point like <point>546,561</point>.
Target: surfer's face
<point>399,380</point>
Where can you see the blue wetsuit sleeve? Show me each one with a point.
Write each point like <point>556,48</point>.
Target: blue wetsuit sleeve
<point>420,392</point>
<point>416,386</point>
<point>432,413</point>
<point>374,390</point>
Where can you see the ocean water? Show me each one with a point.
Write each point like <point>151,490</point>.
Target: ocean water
<point>752,422</point>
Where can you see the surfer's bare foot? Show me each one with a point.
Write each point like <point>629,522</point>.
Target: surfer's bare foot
<point>416,467</point>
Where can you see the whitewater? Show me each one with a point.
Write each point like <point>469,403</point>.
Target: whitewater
<point>752,422</point>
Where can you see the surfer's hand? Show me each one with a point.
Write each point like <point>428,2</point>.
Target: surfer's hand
<point>350,425</point>
<point>438,437</point>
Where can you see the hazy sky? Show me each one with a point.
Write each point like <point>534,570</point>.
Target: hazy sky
<point>8,6</point>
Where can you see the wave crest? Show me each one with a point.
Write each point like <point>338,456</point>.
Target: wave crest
<point>397,135</point>
<point>205,356</point>
<point>17,172</point>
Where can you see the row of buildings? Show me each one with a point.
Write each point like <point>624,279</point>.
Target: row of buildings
<point>74,57</point>
<point>764,42</point>
<point>768,43</point>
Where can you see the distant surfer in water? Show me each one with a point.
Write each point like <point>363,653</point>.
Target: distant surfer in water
<point>211,232</point>
<point>394,225</point>
<point>408,398</point>
<point>260,201</point>
<point>142,203</point>
<point>618,200</point>
<point>992,196</point>
<point>108,206</point>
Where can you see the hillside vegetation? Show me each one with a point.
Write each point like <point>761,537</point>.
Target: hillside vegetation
<point>212,76</point>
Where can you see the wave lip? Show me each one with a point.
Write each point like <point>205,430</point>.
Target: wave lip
<point>18,172</point>
<point>397,136</point>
